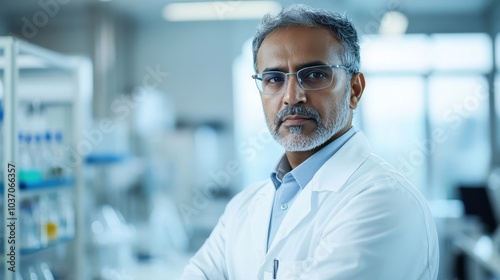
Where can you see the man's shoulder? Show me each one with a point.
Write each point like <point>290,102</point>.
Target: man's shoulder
<point>380,170</point>
<point>378,176</point>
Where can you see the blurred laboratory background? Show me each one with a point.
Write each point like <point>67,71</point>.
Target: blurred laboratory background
<point>132,124</point>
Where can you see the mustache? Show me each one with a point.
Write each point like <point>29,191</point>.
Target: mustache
<point>297,110</point>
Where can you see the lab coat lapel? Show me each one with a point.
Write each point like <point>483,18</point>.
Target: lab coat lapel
<point>330,177</point>
<point>297,212</point>
<point>339,168</point>
<point>260,212</point>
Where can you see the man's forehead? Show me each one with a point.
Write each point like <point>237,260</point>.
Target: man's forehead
<point>299,46</point>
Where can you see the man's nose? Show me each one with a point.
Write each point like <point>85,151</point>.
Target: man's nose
<point>294,93</point>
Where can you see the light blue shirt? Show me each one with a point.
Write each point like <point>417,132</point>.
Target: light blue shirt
<point>289,183</point>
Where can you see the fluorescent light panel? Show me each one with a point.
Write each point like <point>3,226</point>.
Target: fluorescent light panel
<point>219,10</point>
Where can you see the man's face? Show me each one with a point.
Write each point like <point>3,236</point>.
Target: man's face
<point>301,120</point>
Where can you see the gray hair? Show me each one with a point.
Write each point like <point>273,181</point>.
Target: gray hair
<point>302,15</point>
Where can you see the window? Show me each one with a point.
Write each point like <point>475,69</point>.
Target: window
<point>459,140</point>
<point>461,52</point>
<point>408,53</point>
<point>396,103</point>
<point>430,119</point>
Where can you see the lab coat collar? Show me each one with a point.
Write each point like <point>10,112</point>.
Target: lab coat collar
<point>340,167</point>
<point>305,171</point>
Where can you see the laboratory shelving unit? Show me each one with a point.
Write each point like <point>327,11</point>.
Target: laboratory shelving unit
<point>61,85</point>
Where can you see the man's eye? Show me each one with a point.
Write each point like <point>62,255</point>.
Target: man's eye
<point>271,79</point>
<point>315,75</point>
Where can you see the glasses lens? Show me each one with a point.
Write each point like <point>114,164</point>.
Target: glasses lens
<point>316,77</point>
<point>271,82</point>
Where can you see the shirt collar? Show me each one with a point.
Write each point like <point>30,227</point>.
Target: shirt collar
<point>306,170</point>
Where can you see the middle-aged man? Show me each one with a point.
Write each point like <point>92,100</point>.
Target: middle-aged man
<point>331,209</point>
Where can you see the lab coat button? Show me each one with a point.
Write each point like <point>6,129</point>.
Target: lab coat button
<point>284,206</point>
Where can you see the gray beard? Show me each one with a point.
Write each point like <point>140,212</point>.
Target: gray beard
<point>297,142</point>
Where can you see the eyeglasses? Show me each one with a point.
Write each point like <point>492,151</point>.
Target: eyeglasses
<point>309,78</point>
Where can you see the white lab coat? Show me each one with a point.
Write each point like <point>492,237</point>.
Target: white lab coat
<point>358,218</point>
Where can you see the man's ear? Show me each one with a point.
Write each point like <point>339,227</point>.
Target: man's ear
<point>357,88</point>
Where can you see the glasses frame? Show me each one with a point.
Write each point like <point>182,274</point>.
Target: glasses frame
<point>258,76</point>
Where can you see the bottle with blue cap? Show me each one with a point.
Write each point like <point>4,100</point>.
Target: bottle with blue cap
<point>27,170</point>
<point>47,155</point>
<point>58,168</point>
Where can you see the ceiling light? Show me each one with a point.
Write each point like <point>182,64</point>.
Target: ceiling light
<point>393,23</point>
<point>219,10</point>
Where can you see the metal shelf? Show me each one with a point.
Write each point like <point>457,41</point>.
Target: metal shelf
<point>30,73</point>
<point>31,251</point>
<point>106,158</point>
<point>47,184</point>
<point>32,189</point>
<point>58,242</point>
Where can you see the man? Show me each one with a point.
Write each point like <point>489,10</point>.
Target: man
<point>331,209</point>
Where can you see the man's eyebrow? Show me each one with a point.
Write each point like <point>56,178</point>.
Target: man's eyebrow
<point>300,66</point>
